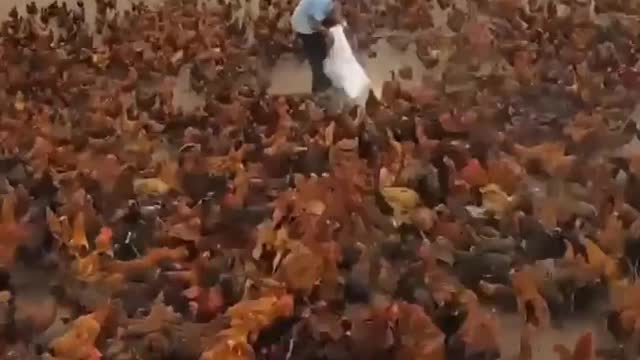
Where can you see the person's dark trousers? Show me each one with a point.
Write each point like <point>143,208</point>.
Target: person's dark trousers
<point>315,50</point>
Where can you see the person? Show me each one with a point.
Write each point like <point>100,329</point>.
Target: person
<point>311,20</point>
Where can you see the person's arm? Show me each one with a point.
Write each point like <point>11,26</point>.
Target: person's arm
<point>335,15</point>
<point>320,17</point>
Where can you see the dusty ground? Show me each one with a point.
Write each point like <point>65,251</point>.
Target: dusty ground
<point>291,76</point>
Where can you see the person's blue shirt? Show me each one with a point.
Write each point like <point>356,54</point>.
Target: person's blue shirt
<point>308,11</point>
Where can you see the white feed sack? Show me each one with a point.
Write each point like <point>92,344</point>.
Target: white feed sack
<point>344,70</point>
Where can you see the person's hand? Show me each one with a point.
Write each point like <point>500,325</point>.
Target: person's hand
<point>328,38</point>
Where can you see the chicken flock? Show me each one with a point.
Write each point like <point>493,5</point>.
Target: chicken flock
<point>255,226</point>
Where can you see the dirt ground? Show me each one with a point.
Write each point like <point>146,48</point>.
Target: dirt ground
<point>291,76</point>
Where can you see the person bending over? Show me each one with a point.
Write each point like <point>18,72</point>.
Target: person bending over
<point>311,20</point>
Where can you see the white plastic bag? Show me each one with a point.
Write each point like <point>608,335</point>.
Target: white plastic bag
<point>344,70</point>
